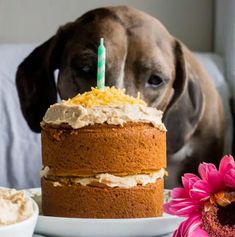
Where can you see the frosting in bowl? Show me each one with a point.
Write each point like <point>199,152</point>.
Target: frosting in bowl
<point>15,206</point>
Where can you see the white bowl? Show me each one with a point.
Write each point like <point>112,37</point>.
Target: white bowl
<point>24,228</point>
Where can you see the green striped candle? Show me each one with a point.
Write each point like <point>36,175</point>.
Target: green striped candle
<point>101,65</point>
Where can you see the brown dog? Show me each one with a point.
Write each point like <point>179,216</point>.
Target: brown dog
<point>141,56</point>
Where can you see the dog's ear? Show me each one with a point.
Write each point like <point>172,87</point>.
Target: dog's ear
<point>35,77</point>
<point>186,107</point>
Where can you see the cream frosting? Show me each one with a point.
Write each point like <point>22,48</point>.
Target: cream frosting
<point>15,206</point>
<point>112,181</point>
<point>78,116</point>
<point>57,184</point>
<point>44,172</point>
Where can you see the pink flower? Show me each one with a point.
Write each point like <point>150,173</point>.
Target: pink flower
<point>199,193</point>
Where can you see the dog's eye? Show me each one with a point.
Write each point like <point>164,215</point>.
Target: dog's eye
<point>86,69</point>
<point>83,66</point>
<point>154,81</point>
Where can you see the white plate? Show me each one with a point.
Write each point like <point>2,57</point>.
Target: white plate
<point>82,227</point>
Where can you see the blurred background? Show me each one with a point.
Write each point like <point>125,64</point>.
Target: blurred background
<point>33,21</point>
<point>207,27</point>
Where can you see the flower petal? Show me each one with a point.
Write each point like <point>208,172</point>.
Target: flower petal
<point>188,227</point>
<point>199,232</point>
<point>201,190</point>
<point>229,178</point>
<point>179,193</point>
<point>204,169</point>
<point>187,210</point>
<point>215,181</point>
<point>183,207</point>
<point>226,163</point>
<point>188,181</point>
<point>167,208</point>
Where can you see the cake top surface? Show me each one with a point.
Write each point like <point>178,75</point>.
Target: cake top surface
<point>109,96</point>
<point>111,106</point>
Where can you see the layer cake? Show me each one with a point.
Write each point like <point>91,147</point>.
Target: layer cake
<point>104,156</point>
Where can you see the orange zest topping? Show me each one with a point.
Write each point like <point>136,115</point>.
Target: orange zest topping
<point>109,96</point>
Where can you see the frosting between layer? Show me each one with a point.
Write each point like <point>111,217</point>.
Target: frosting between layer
<point>78,116</point>
<point>112,181</point>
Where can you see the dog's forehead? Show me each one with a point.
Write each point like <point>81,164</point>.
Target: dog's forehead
<point>132,21</point>
<point>97,15</point>
<point>121,24</point>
